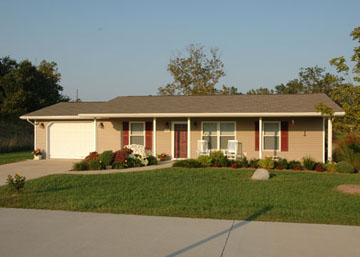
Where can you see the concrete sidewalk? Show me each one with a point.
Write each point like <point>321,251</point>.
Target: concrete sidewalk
<point>58,233</point>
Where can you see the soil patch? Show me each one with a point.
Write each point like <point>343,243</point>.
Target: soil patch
<point>349,189</point>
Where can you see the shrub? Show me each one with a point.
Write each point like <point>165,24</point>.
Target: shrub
<point>319,167</point>
<point>204,160</point>
<point>189,163</point>
<point>234,166</point>
<point>281,164</point>
<point>243,162</point>
<point>122,155</point>
<point>224,162</point>
<point>331,166</point>
<point>118,165</point>
<point>107,158</point>
<point>308,162</point>
<point>348,149</point>
<point>95,165</point>
<point>131,162</point>
<point>83,165</point>
<point>344,167</point>
<point>152,160</point>
<point>16,183</point>
<point>267,163</point>
<point>254,163</point>
<point>216,165</point>
<point>295,165</point>
<point>216,157</point>
<point>92,156</point>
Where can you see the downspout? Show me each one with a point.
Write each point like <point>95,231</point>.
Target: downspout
<point>33,123</point>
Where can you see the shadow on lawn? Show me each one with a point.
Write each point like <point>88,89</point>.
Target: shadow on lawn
<point>226,231</point>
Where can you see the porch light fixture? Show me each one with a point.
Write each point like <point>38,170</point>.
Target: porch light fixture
<point>101,125</point>
<point>292,123</point>
<point>42,125</point>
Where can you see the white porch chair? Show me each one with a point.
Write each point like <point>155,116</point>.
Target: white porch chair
<point>202,148</point>
<point>137,149</point>
<point>232,151</point>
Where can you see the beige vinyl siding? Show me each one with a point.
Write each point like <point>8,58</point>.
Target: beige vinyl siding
<point>109,136</point>
<point>304,139</point>
<point>41,136</point>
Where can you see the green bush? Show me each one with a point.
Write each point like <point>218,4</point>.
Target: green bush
<point>132,162</point>
<point>331,166</point>
<point>118,165</point>
<point>219,159</point>
<point>254,163</point>
<point>308,162</point>
<point>348,149</point>
<point>295,165</point>
<point>281,164</point>
<point>107,158</point>
<point>204,160</point>
<point>95,165</point>
<point>242,163</point>
<point>344,167</point>
<point>225,162</point>
<point>189,163</point>
<point>152,160</point>
<point>83,165</point>
<point>267,163</point>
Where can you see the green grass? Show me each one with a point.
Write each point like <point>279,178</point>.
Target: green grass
<point>15,157</point>
<point>203,193</point>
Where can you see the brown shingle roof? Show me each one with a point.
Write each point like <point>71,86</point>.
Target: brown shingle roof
<point>193,104</point>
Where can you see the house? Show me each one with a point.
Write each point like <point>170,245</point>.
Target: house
<point>286,126</point>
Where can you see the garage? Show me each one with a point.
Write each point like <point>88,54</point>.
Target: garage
<point>71,140</point>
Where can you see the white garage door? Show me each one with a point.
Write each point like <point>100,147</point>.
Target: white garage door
<point>72,140</point>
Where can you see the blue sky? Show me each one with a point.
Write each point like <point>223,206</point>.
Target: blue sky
<point>111,48</point>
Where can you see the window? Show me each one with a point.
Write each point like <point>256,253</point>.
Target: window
<point>137,133</point>
<point>271,135</point>
<point>217,134</point>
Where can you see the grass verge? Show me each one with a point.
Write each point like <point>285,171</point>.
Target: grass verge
<point>201,193</point>
<point>15,157</point>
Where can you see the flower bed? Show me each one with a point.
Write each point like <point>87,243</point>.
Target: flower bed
<point>128,157</point>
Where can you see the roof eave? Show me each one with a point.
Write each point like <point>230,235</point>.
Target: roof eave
<point>177,115</point>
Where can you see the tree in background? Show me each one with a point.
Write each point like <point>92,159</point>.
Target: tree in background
<point>25,87</point>
<point>261,91</point>
<point>196,74</point>
<point>348,94</point>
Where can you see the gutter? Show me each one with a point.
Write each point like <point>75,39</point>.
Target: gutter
<point>91,116</point>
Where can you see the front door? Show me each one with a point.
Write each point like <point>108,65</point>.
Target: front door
<point>180,138</point>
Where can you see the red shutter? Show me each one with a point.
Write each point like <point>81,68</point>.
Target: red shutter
<point>148,135</point>
<point>284,136</point>
<point>125,133</point>
<point>256,136</point>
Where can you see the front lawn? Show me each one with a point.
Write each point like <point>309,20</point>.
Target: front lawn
<point>203,193</point>
<point>15,157</point>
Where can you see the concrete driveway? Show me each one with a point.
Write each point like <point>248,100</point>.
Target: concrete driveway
<point>35,169</point>
<point>35,233</point>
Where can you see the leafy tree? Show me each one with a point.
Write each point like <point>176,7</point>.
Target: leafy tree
<point>25,87</point>
<point>348,94</point>
<point>229,91</point>
<point>261,91</point>
<point>194,74</point>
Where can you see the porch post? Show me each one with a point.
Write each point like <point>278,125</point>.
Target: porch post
<point>260,138</point>
<point>329,139</point>
<point>95,136</point>
<point>154,136</point>
<point>323,141</point>
<point>189,138</point>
